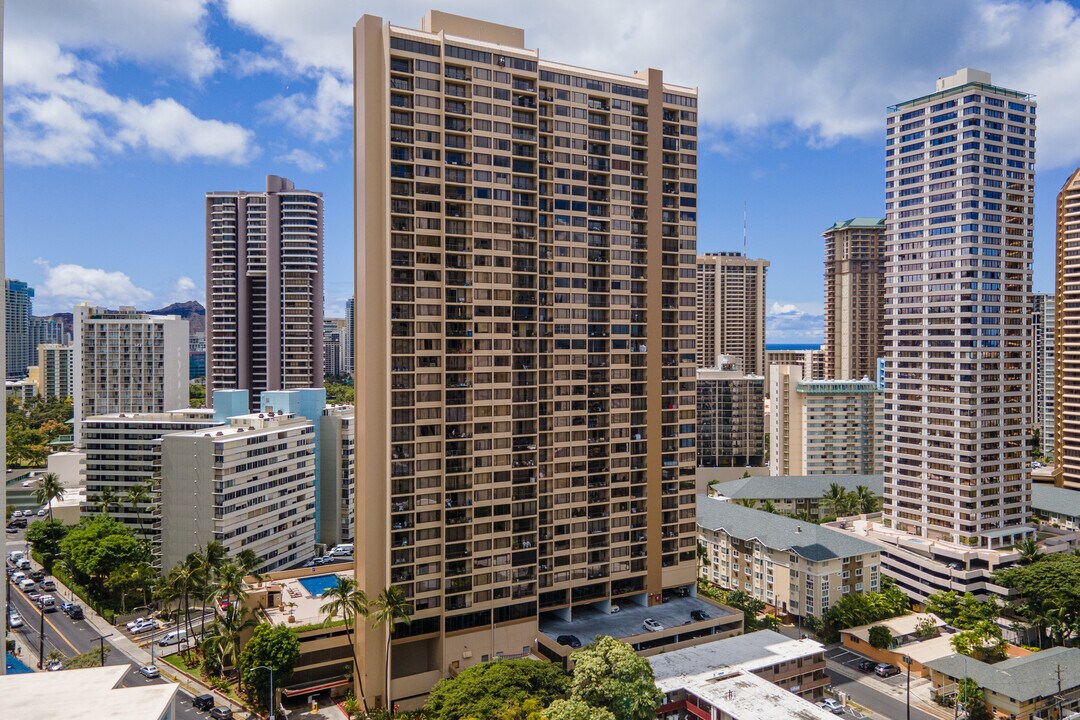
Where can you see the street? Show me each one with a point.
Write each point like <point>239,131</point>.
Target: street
<point>845,678</point>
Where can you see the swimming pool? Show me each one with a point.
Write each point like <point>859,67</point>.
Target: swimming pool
<point>319,584</point>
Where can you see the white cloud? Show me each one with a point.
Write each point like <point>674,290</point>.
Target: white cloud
<point>59,112</point>
<point>303,160</point>
<point>320,117</point>
<point>819,72</point>
<point>794,323</point>
<point>183,285</point>
<point>68,284</point>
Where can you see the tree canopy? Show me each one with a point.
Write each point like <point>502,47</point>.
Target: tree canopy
<point>482,690</point>
<point>1048,595</point>
<point>45,536</point>
<point>96,547</point>
<point>962,611</point>
<point>275,646</point>
<point>609,674</point>
<point>575,710</point>
<point>866,608</point>
<point>880,637</point>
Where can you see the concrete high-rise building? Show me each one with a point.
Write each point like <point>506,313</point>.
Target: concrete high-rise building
<point>264,289</point>
<point>337,470</point>
<point>128,362</point>
<point>526,246</point>
<point>19,307</point>
<point>824,427</point>
<point>731,310</point>
<point>812,363</point>
<point>56,371</point>
<point>333,347</point>
<point>46,331</point>
<point>1043,323</point>
<point>854,297</point>
<point>348,335</point>
<point>197,355</point>
<point>730,418</point>
<point>122,452</point>
<point>960,180</point>
<point>215,484</point>
<point>1067,327</point>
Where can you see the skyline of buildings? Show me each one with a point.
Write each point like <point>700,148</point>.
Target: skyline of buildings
<point>264,289</point>
<point>527,375</point>
<point>959,192</point>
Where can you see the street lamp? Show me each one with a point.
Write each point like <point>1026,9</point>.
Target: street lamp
<point>41,639</point>
<point>267,667</point>
<point>907,661</point>
<point>150,609</point>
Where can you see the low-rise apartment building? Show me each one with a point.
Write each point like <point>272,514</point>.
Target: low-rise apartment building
<point>249,484</point>
<point>1056,505</point>
<point>757,676</point>
<point>795,567</point>
<point>794,494</point>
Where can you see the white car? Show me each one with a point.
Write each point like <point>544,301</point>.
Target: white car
<point>832,706</point>
<point>614,608</point>
<point>651,625</point>
<point>149,672</point>
<point>14,620</point>
<point>144,626</point>
<point>135,622</point>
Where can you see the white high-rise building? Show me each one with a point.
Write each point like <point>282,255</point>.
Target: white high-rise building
<point>1043,323</point>
<point>960,181</point>
<point>128,362</point>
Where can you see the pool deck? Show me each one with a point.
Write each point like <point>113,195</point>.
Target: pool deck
<point>300,603</point>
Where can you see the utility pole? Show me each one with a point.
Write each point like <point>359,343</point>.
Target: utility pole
<point>1059,690</point>
<point>41,640</point>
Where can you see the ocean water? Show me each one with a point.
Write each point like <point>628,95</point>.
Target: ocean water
<point>796,346</point>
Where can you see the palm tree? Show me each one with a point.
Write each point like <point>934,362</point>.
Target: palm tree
<point>865,500</point>
<point>1029,551</point>
<point>223,642</point>
<point>137,495</point>
<point>834,498</point>
<point>106,499</point>
<point>390,608</point>
<point>351,603</point>
<point>183,580</point>
<point>48,488</point>
<point>230,582</point>
<point>250,563</point>
<point>207,563</point>
<point>768,507</point>
<point>747,502</point>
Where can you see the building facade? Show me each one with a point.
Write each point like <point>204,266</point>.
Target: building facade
<point>56,371</point>
<point>122,454</point>
<point>250,485</point>
<point>526,247</point>
<point>824,427</point>
<point>128,362</point>
<point>197,356</point>
<point>264,289</point>
<point>348,335</point>
<point>1066,351</point>
<point>793,566</point>
<point>731,310</point>
<point>337,482</point>
<point>960,180</point>
<point>333,348</point>
<point>18,307</point>
<point>730,418</point>
<point>1043,323</point>
<point>854,298</point>
<point>812,363</point>
<point>47,331</point>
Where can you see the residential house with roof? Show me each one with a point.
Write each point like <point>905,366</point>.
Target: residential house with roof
<point>794,494</point>
<point>795,567</point>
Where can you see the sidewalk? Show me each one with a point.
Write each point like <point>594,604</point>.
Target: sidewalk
<point>121,642</point>
<point>921,691</point>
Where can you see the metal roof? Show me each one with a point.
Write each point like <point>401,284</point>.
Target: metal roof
<point>1022,678</point>
<point>783,487</point>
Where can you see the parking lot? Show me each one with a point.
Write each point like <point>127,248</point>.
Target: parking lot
<point>850,659</point>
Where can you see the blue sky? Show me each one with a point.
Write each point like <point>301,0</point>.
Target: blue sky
<point>120,115</point>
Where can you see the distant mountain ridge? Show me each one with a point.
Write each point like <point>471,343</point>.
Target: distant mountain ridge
<point>192,311</point>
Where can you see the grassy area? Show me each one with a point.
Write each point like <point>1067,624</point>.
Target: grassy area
<point>179,662</point>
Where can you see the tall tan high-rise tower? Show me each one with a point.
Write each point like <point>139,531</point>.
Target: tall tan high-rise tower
<point>854,297</point>
<point>525,249</point>
<point>264,289</point>
<point>731,310</point>
<point>1066,333</point>
<point>959,189</point>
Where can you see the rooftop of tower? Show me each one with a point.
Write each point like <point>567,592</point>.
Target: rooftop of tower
<point>962,79</point>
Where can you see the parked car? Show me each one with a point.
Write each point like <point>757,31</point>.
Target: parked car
<point>867,665</point>
<point>41,512</point>
<point>47,603</point>
<point>54,666</point>
<point>17,577</point>
<point>886,670</point>
<point>36,574</point>
<point>221,713</point>
<point>699,615</point>
<point>203,702</point>
<point>11,529</point>
<point>145,626</point>
<point>149,672</point>
<point>14,620</point>
<point>682,591</point>
<point>76,613</point>
<point>651,625</point>
<point>832,706</point>
<point>614,608</point>
<point>135,622</point>
<point>24,564</point>
<point>48,584</point>
<point>173,638</point>
<point>569,640</point>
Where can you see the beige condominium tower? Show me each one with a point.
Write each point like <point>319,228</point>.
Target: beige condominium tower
<point>731,310</point>
<point>960,182</point>
<point>264,289</point>
<point>1067,337</point>
<point>525,249</point>
<point>854,297</point>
